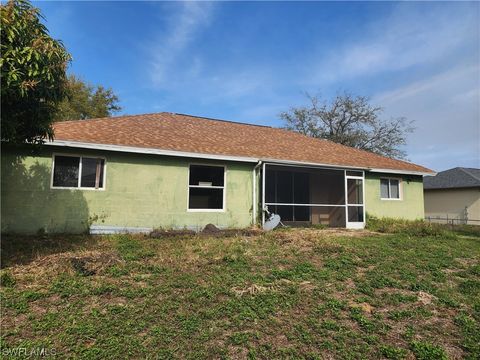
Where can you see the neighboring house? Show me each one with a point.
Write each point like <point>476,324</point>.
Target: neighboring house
<point>179,171</point>
<point>454,195</point>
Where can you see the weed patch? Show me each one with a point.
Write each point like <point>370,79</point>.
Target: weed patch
<point>392,352</point>
<point>427,351</point>
<point>6,279</point>
<point>418,228</point>
<point>130,248</point>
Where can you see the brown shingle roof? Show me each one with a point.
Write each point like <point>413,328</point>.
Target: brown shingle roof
<point>178,132</point>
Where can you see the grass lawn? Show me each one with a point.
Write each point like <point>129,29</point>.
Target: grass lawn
<point>315,294</point>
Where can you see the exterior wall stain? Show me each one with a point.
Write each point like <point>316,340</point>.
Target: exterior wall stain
<point>140,191</point>
<point>147,191</point>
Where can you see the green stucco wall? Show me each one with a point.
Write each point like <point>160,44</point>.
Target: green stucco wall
<point>410,206</point>
<point>148,191</point>
<point>140,191</point>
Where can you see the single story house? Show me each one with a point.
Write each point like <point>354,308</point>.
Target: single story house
<point>135,173</point>
<point>453,195</point>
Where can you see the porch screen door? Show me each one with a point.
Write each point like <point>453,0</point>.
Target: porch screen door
<point>355,209</point>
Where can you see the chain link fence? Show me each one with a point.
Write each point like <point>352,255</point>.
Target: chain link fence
<point>453,219</point>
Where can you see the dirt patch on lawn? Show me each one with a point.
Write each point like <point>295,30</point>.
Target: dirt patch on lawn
<point>41,270</point>
<point>233,232</point>
<point>277,285</point>
<point>425,298</point>
<point>209,231</point>
<point>253,289</point>
<point>157,234</point>
<point>322,233</point>
<point>349,233</point>
<point>291,234</point>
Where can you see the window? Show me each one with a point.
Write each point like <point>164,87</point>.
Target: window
<point>92,170</point>
<point>206,188</point>
<point>78,172</point>
<point>390,189</point>
<point>65,172</point>
<point>354,173</point>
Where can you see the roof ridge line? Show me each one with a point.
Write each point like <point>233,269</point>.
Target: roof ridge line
<point>113,117</point>
<point>221,120</point>
<point>469,173</point>
<point>166,113</point>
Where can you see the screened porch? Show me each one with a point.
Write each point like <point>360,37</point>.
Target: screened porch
<point>304,196</point>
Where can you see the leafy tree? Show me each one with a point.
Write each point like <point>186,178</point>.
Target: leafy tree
<point>84,101</point>
<point>352,121</point>
<point>33,74</point>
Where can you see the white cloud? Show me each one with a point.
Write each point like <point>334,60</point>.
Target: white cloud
<point>176,66</point>
<point>446,110</point>
<point>405,38</point>
<point>461,79</point>
<point>183,26</point>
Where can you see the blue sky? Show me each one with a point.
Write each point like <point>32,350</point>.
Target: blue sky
<point>250,61</point>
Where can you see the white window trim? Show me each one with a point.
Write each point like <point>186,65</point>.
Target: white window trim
<point>224,187</point>
<point>400,189</point>
<point>79,173</point>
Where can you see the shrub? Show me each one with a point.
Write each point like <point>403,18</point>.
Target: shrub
<point>408,227</point>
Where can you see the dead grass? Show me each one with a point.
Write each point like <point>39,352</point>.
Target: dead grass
<point>41,270</point>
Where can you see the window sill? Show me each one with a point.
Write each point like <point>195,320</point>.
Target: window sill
<point>75,188</point>
<point>206,210</point>
<point>388,199</point>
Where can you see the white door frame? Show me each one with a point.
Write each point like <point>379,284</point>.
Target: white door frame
<point>354,224</point>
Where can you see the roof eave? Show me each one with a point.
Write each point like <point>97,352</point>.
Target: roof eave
<point>406,172</point>
<point>453,187</point>
<point>155,151</point>
<point>309,164</point>
<point>152,151</point>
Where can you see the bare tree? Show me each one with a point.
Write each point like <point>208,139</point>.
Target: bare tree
<point>352,121</point>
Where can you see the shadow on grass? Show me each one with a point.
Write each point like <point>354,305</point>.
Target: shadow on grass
<point>17,249</point>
